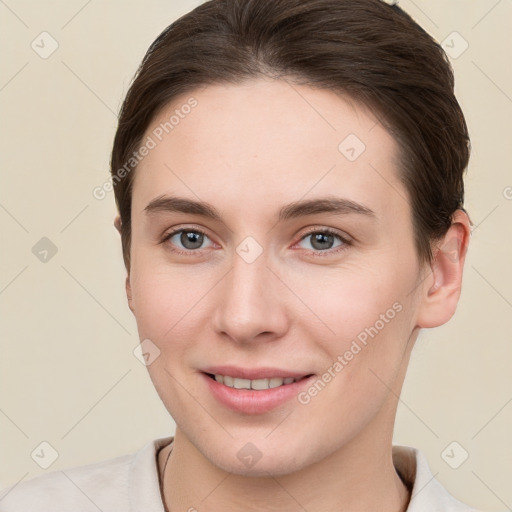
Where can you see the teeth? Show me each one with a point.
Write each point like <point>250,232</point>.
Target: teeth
<point>275,382</point>
<point>256,384</point>
<point>259,384</point>
<point>242,383</point>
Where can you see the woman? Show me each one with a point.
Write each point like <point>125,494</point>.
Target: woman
<point>289,179</point>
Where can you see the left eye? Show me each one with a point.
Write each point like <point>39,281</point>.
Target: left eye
<point>323,240</point>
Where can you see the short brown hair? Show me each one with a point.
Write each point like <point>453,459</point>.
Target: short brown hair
<point>371,51</point>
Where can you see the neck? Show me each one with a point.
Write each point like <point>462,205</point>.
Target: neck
<point>358,477</point>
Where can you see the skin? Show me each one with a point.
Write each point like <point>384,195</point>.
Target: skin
<point>248,150</point>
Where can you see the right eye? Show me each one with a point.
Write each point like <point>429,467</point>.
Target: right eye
<point>186,240</point>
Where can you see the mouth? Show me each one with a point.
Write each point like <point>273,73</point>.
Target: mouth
<point>255,391</point>
<point>256,384</point>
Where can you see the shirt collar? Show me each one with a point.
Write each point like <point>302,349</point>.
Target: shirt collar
<point>144,478</point>
<point>427,494</point>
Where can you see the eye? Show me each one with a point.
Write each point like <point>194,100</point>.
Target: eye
<point>324,240</point>
<point>188,239</point>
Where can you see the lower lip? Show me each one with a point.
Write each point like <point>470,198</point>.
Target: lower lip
<point>249,401</point>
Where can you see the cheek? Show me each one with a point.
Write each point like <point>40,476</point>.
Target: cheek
<point>345,302</point>
<point>366,317</point>
<point>169,301</point>
<point>154,301</point>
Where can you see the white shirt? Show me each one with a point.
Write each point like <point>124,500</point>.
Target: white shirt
<point>130,483</point>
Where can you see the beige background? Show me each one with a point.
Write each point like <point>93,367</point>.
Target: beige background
<point>68,373</point>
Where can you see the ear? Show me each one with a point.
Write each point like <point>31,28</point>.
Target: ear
<point>128,287</point>
<point>117,223</point>
<point>441,289</point>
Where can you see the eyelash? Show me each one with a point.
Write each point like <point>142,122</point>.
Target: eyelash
<point>322,254</point>
<point>345,242</point>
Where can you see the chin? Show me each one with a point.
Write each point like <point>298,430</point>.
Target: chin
<point>276,465</point>
<point>261,458</point>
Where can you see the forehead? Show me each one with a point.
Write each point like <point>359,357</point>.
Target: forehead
<point>268,139</point>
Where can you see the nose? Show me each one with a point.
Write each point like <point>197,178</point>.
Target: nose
<point>250,305</point>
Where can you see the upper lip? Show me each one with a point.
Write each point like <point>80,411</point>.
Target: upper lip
<point>254,373</point>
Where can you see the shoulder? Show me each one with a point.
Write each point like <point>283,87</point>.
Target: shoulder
<point>106,485</point>
<point>427,493</point>
<point>82,488</point>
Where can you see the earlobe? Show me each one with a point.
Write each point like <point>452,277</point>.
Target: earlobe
<point>442,289</point>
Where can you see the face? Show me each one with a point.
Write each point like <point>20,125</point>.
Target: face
<point>274,273</point>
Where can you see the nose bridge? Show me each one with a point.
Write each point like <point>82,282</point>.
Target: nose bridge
<point>249,304</point>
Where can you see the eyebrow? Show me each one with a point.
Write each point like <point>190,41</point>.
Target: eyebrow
<point>330,204</point>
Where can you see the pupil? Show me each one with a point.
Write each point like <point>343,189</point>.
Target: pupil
<point>322,238</point>
<point>191,240</point>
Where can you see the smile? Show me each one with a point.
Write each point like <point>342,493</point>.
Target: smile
<point>253,391</point>
<point>257,384</point>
